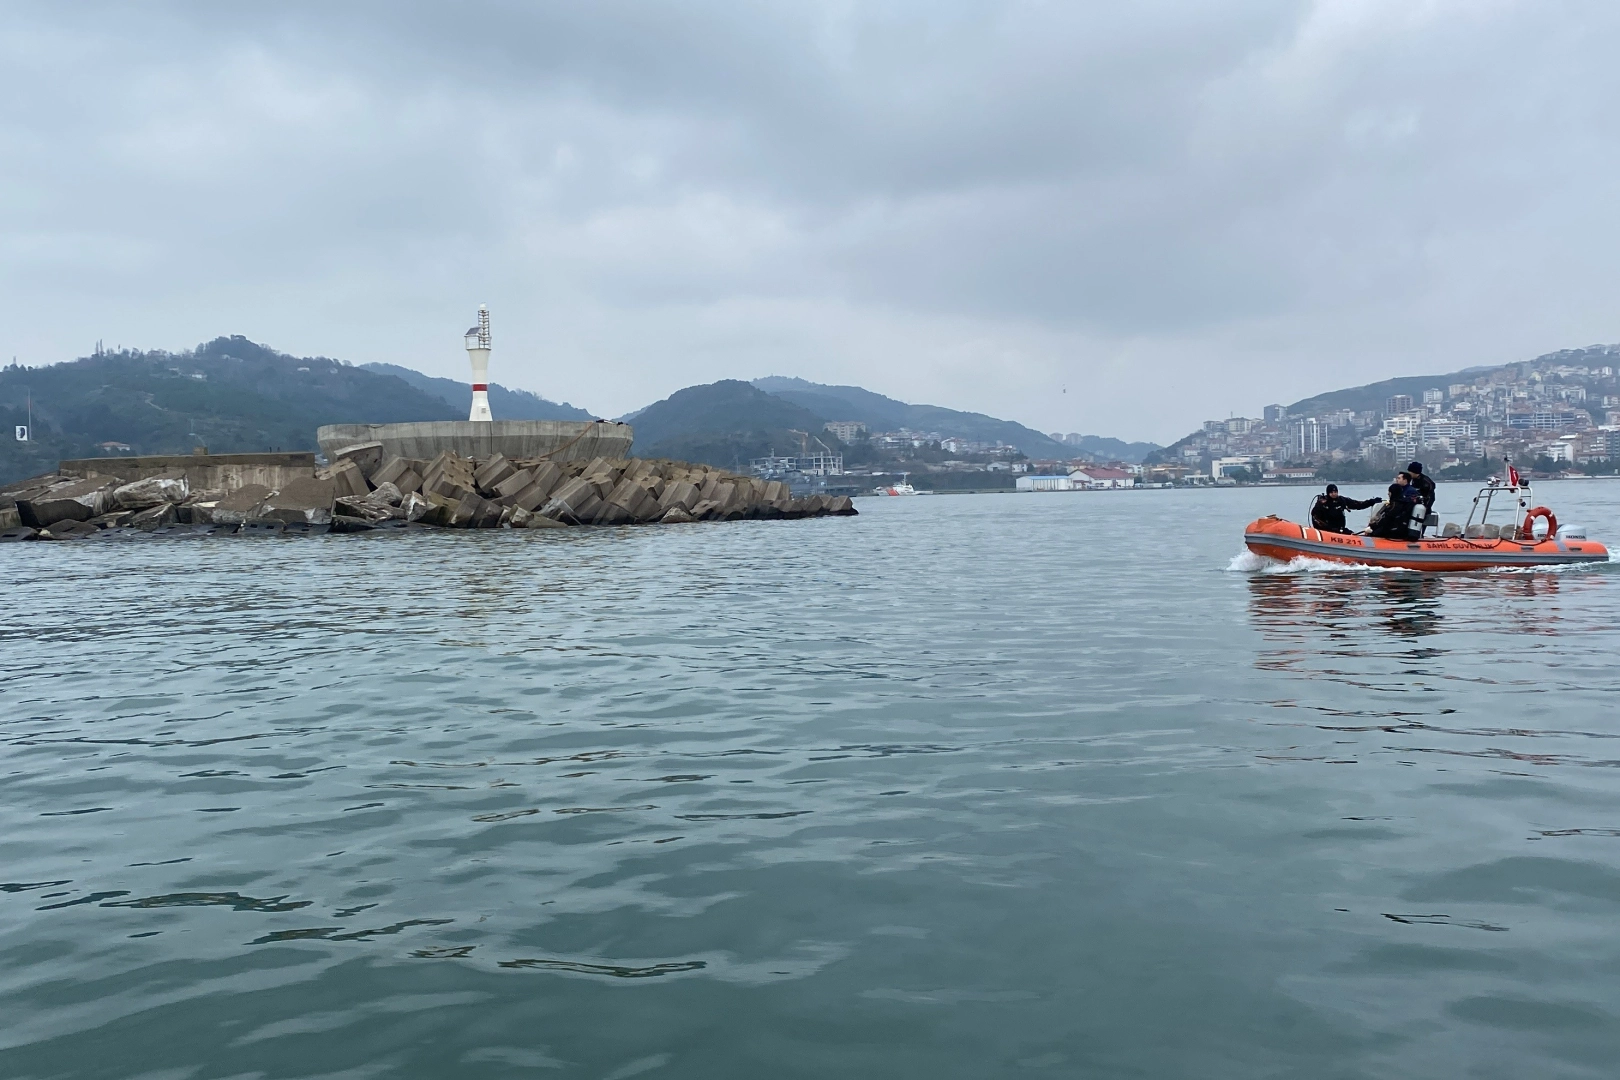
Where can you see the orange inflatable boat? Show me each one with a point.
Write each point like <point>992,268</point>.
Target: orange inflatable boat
<point>1478,545</point>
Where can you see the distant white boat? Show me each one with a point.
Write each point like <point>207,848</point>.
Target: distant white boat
<point>902,488</point>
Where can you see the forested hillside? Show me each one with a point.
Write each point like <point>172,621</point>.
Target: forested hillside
<point>230,395</point>
<point>881,413</point>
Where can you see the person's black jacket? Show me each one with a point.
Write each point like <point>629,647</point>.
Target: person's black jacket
<point>1327,512</point>
<point>1391,524</point>
<point>1425,489</point>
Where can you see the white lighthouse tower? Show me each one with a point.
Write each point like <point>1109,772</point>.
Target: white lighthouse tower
<point>478,353</point>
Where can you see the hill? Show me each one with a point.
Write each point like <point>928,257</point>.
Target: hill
<point>504,402</point>
<point>725,424</point>
<point>230,394</point>
<point>881,413</point>
<point>1102,448</point>
<point>1373,396</point>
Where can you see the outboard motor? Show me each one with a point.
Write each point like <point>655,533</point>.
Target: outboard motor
<point>1572,532</point>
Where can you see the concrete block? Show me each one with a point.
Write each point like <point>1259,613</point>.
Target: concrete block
<point>262,527</point>
<point>410,480</point>
<point>547,478</point>
<point>154,517</point>
<point>491,473</point>
<point>73,529</point>
<point>452,466</point>
<point>364,509</point>
<point>707,486</point>
<point>513,484</point>
<point>387,494</point>
<point>80,500</point>
<point>447,486</point>
<point>681,493</point>
<point>413,507</point>
<point>705,510</point>
<point>517,517</point>
<point>367,456</point>
<point>440,509</point>
<point>389,471</point>
<point>117,518</point>
<point>17,533</point>
<point>466,509</point>
<point>306,501</point>
<point>540,521</point>
<point>676,515</point>
<point>150,492</point>
<point>843,506</point>
<point>569,499</point>
<point>9,518</point>
<point>349,480</point>
<point>232,509</point>
<point>490,515</point>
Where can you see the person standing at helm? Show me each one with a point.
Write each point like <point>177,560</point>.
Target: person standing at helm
<point>1422,488</point>
<point>1327,509</point>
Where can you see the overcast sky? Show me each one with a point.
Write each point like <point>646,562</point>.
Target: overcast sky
<point>1099,217</point>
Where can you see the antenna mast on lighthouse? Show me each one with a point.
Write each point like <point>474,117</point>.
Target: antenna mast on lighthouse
<point>478,353</point>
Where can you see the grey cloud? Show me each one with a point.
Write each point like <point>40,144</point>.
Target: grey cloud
<point>971,204</point>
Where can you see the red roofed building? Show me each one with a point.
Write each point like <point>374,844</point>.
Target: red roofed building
<point>1096,477</point>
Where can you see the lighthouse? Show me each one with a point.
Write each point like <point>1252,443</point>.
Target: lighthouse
<point>478,353</point>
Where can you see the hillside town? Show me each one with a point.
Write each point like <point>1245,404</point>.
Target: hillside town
<point>937,459</point>
<point>1557,412</point>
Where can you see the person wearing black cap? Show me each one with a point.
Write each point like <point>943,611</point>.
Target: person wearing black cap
<point>1327,509</point>
<point>1423,488</point>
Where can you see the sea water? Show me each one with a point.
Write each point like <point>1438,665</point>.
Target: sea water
<point>966,786</point>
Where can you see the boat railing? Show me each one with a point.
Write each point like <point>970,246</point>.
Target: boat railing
<point>1497,494</point>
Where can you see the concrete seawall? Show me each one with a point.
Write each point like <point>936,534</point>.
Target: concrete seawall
<point>202,472</point>
<point>515,440</point>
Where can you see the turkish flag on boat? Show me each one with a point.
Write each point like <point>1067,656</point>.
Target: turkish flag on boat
<point>1513,476</point>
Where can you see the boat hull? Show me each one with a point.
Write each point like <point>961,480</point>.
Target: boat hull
<point>1284,540</point>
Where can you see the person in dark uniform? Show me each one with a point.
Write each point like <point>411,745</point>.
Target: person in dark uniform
<point>1391,520</point>
<point>1423,487</point>
<point>1327,509</point>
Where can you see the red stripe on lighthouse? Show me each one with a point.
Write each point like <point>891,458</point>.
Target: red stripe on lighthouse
<point>477,386</point>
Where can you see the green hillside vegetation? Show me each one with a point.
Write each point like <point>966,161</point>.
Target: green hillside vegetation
<point>230,395</point>
<point>505,402</point>
<point>725,424</point>
<point>881,413</point>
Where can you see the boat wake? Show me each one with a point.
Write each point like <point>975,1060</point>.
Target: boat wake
<point>1247,562</point>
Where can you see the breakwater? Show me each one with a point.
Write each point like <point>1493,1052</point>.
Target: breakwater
<point>366,489</point>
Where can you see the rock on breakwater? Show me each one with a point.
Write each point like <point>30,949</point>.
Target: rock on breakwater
<point>366,489</point>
